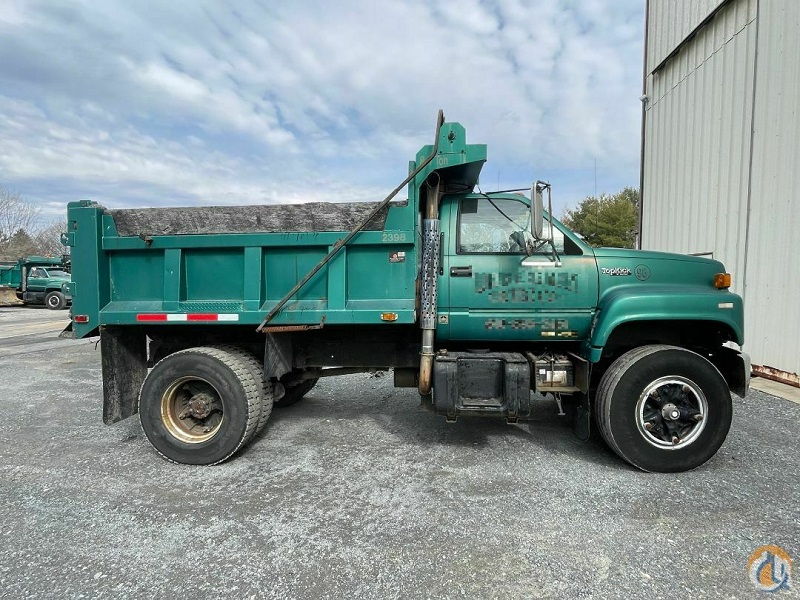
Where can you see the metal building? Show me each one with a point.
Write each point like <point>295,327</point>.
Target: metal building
<point>721,155</point>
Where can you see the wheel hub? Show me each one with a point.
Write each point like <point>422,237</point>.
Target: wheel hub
<point>671,412</point>
<point>199,405</point>
<point>191,410</point>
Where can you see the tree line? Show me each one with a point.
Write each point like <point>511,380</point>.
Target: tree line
<point>22,230</point>
<point>610,220</point>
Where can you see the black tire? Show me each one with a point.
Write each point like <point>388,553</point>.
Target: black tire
<point>55,301</point>
<point>236,391</point>
<point>268,394</point>
<point>295,393</point>
<point>267,387</point>
<point>680,380</point>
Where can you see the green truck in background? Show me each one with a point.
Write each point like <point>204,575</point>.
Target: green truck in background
<point>38,280</point>
<point>210,316</point>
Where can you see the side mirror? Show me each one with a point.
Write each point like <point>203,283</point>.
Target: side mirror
<point>537,212</point>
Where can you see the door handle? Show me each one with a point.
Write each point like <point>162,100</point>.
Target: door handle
<point>461,271</point>
<point>441,254</point>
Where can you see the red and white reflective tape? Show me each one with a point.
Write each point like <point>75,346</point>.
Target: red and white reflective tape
<point>156,317</point>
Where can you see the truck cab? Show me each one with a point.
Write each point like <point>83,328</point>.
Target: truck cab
<point>46,285</point>
<point>39,280</point>
<point>494,288</point>
<point>562,291</point>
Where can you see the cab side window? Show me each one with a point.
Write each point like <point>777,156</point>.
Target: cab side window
<point>492,226</point>
<point>37,272</point>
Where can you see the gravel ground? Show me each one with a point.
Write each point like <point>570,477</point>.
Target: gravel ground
<point>357,492</point>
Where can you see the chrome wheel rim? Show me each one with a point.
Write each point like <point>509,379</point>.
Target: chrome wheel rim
<point>191,410</point>
<point>671,412</point>
<point>52,301</point>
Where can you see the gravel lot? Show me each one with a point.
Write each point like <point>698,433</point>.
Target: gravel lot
<point>357,492</point>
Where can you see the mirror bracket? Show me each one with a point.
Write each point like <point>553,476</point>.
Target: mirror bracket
<point>537,216</point>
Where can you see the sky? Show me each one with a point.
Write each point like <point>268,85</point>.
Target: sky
<point>136,104</point>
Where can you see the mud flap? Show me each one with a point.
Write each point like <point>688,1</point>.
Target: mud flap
<point>735,368</point>
<point>123,352</point>
<point>582,418</point>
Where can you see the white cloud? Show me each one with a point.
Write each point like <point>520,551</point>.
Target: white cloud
<point>260,102</point>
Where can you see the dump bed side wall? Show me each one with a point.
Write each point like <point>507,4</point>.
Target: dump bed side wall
<point>237,277</point>
<point>10,275</point>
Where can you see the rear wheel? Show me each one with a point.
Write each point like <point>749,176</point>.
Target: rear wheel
<point>267,387</point>
<point>55,301</point>
<point>663,408</point>
<point>295,393</point>
<point>199,406</point>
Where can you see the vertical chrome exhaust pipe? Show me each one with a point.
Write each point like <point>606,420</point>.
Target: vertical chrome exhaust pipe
<point>429,283</point>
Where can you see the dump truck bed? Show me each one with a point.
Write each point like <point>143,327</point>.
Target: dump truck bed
<point>232,264</point>
<point>10,275</point>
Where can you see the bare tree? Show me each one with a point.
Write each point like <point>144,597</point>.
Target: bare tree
<point>15,215</point>
<point>22,231</point>
<point>48,240</point>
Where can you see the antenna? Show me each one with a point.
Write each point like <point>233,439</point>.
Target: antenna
<point>597,202</point>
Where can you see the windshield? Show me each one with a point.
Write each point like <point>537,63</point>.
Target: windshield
<point>57,273</point>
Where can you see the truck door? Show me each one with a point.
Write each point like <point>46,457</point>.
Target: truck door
<point>37,279</point>
<point>498,292</point>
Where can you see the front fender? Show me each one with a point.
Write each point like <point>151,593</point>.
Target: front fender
<point>627,303</point>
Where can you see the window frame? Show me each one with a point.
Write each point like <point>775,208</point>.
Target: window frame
<point>458,229</point>
<point>581,247</point>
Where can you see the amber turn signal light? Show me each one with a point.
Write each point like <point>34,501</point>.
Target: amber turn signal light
<point>722,281</point>
<point>388,316</point>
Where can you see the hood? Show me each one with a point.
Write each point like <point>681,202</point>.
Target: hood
<point>621,266</point>
<point>651,255</point>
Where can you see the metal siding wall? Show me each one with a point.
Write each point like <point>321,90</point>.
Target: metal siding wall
<point>671,21</point>
<point>697,132</point>
<point>700,122</point>
<point>773,262</point>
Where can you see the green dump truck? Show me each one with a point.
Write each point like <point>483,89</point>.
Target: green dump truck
<point>38,280</point>
<point>486,304</point>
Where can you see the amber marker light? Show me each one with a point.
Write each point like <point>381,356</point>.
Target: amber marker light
<point>388,316</point>
<point>722,281</point>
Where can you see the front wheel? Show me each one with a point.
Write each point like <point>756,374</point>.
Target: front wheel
<point>663,408</point>
<point>55,301</point>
